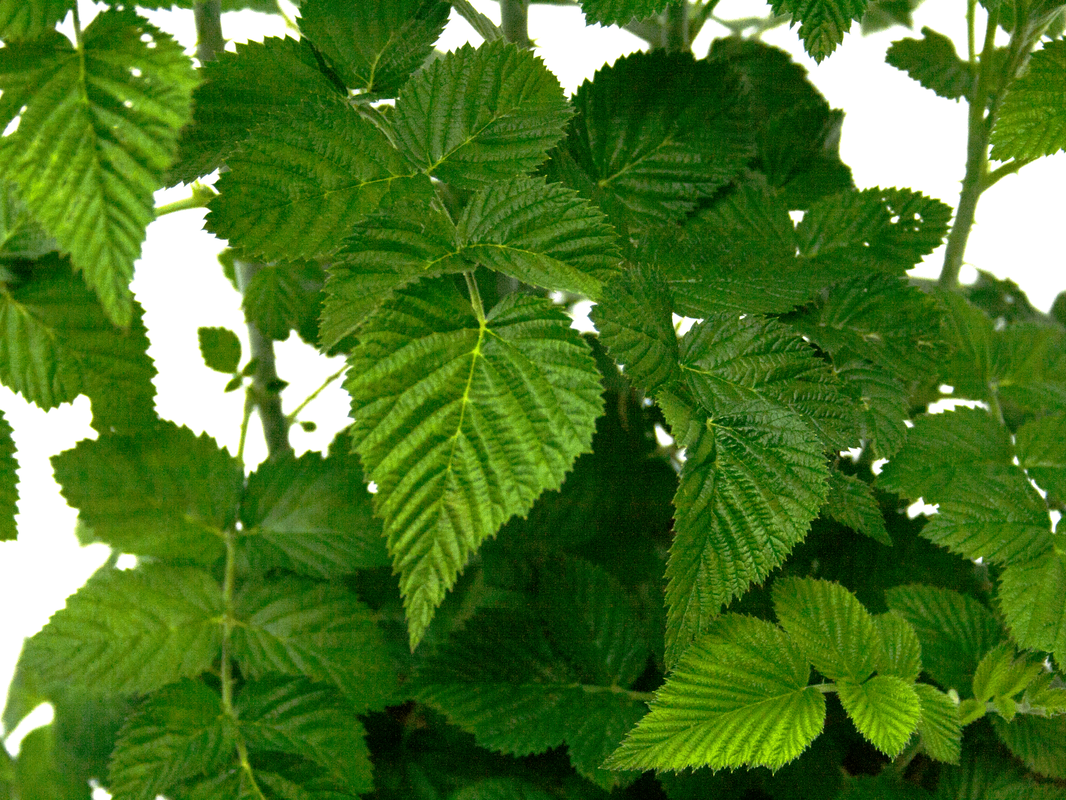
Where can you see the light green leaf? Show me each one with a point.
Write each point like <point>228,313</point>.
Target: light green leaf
<point>954,629</point>
<point>619,12</point>
<point>933,62</point>
<point>1033,597</point>
<point>295,190</point>
<point>823,23</point>
<point>99,129</point>
<point>131,632</point>
<point>311,516</point>
<point>478,116</point>
<point>59,344</point>
<point>939,727</point>
<point>654,134</point>
<point>852,503</point>
<point>463,423</point>
<point>1040,742</point>
<point>885,709</point>
<point>166,493</point>
<point>28,19</point>
<point>738,697</point>
<point>220,349</point>
<point>299,627</point>
<point>1041,445</point>
<point>902,652</point>
<point>374,46</point>
<point>178,733</point>
<point>8,482</point>
<point>285,297</point>
<point>1032,119</point>
<point>296,716</point>
<point>1002,675</point>
<point>832,628</point>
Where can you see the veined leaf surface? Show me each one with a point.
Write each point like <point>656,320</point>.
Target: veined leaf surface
<point>823,23</point>
<point>619,12</point>
<point>99,129</point>
<point>885,709</point>
<point>1033,596</point>
<point>1032,121</point>
<point>463,423</point>
<point>939,727</point>
<point>20,19</point>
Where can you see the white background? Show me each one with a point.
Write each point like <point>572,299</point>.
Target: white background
<point>895,134</point>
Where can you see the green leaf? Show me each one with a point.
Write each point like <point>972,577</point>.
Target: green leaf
<point>8,482</point>
<point>374,46</point>
<point>1002,675</point>
<point>177,733</point>
<point>939,728</point>
<point>285,297</point>
<point>1041,445</point>
<point>167,493</point>
<point>885,709</point>
<point>619,12</point>
<point>43,771</point>
<point>99,129</point>
<point>131,632</point>
<point>295,190</point>
<point>955,631</point>
<point>933,62</point>
<point>220,348</point>
<point>29,19</point>
<point>478,116</point>
<point>902,652</point>
<point>1032,119</point>
<point>654,134</point>
<point>294,626</point>
<point>524,681</point>
<point>1033,597</point>
<point>311,516</point>
<point>823,23</point>
<point>269,80</point>
<point>738,697</point>
<point>852,503</point>
<point>462,424</point>
<point>59,344</point>
<point>830,626</point>
<point>21,237</point>
<point>883,403</point>
<point>635,323</point>
<point>1040,742</point>
<point>296,716</point>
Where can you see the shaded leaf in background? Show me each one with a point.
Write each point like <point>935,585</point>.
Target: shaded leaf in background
<point>220,349</point>
<point>1039,742</point>
<point>285,297</point>
<point>1032,119</point>
<point>933,62</point>
<point>851,502</point>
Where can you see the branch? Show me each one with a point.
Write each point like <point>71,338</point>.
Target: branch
<point>209,41</point>
<point>514,20</point>
<point>675,28</point>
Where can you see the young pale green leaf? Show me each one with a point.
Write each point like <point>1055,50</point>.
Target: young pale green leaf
<point>99,129</point>
<point>902,652</point>
<point>939,728</point>
<point>1033,598</point>
<point>462,423</point>
<point>1040,742</point>
<point>933,62</point>
<point>885,709</point>
<point>737,698</point>
<point>1041,445</point>
<point>167,493</point>
<point>220,349</point>
<point>296,716</point>
<point>1003,675</point>
<point>285,297</point>
<point>29,19</point>
<point>374,46</point>
<point>131,631</point>
<point>1032,120</point>
<point>294,626</point>
<point>954,629</point>
<point>479,116</point>
<point>268,80</point>
<point>295,190</point>
<point>619,12</point>
<point>851,502</point>
<point>830,626</point>
<point>178,733</point>
<point>59,343</point>
<point>635,322</point>
<point>823,23</point>
<point>655,133</point>
<point>8,482</point>
<point>311,516</point>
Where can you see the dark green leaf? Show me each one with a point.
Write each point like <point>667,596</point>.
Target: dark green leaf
<point>167,493</point>
<point>1040,742</point>
<point>478,116</point>
<point>619,12</point>
<point>933,62</point>
<point>131,632</point>
<point>1041,446</point>
<point>99,129</point>
<point>374,46</point>
<point>220,348</point>
<point>1033,596</point>
<point>29,19</point>
<point>1032,119</point>
<point>823,23</point>
<point>21,237</point>
<point>285,297</point>
<point>883,14</point>
<point>885,709</point>
<point>8,482</point>
<point>463,423</point>
<point>851,502</point>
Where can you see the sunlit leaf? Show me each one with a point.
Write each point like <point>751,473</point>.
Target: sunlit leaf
<point>885,709</point>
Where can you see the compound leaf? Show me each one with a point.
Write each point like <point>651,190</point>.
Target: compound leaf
<point>823,23</point>
<point>885,709</point>
<point>1033,597</point>
<point>20,19</point>
<point>131,631</point>
<point>374,46</point>
<point>939,727</point>
<point>166,493</point>
<point>619,12</point>
<point>8,482</point>
<point>99,129</point>
<point>220,348</point>
<point>738,697</point>
<point>462,423</point>
<point>448,125</point>
<point>1032,120</point>
<point>933,62</point>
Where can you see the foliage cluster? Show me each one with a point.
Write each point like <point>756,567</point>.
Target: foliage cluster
<point>498,583</point>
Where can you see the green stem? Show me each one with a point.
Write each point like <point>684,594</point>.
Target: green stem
<point>514,20</point>
<point>77,26</point>
<point>475,296</point>
<point>675,28</point>
<point>478,21</point>
<point>971,31</point>
<point>200,197</point>
<point>296,411</point>
<point>649,30</point>
<point>1003,171</point>
<point>209,41</point>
